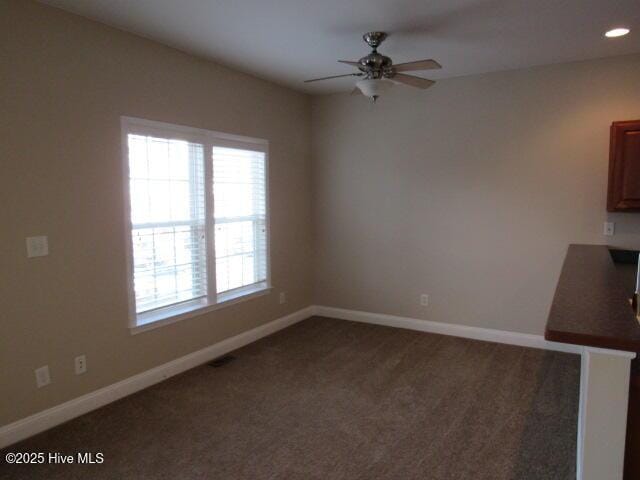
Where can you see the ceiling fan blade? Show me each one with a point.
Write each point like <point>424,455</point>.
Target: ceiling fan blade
<point>348,62</point>
<point>412,81</point>
<point>417,65</point>
<point>334,76</point>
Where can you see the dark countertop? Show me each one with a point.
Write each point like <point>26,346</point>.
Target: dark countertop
<point>591,304</point>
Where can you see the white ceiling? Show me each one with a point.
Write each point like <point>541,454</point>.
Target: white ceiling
<point>287,41</point>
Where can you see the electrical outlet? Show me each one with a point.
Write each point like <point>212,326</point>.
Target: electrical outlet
<point>424,300</point>
<point>81,364</point>
<point>42,376</point>
<point>609,228</point>
<point>283,298</point>
<point>37,246</point>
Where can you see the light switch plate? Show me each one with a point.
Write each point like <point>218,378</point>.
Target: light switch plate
<point>37,246</point>
<point>609,228</point>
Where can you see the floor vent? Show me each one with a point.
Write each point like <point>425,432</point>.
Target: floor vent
<point>221,361</point>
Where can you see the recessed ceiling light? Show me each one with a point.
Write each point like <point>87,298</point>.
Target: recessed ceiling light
<point>616,32</point>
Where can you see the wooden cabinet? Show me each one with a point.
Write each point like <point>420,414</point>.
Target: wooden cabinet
<point>624,167</point>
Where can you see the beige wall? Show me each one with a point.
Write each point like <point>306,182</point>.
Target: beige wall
<point>470,191</point>
<point>64,82</point>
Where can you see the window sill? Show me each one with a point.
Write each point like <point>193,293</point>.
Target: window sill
<point>153,320</point>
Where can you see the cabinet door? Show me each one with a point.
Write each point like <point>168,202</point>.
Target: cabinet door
<point>624,167</point>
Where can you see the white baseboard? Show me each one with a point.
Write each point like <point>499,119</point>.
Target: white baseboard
<point>39,422</point>
<point>455,330</point>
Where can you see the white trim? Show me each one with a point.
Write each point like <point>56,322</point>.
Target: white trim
<point>267,206</point>
<point>210,235</point>
<point>144,321</point>
<point>582,405</point>
<point>193,309</point>
<point>126,192</point>
<point>602,413</point>
<point>608,351</point>
<point>455,330</point>
<point>241,292</point>
<point>39,422</point>
<point>146,127</point>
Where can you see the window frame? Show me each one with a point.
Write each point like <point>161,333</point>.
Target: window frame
<point>212,301</point>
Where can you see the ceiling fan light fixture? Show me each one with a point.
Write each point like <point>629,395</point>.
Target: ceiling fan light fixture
<point>617,32</point>
<point>373,88</point>
<point>378,72</point>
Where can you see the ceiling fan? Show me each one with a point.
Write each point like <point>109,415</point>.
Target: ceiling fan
<point>380,73</point>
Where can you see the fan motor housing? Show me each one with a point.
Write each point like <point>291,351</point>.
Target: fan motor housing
<point>375,65</point>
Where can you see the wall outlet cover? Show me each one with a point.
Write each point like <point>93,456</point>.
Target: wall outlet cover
<point>43,377</point>
<point>37,246</point>
<point>80,364</point>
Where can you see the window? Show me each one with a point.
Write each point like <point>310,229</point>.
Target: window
<point>199,220</point>
<point>240,218</point>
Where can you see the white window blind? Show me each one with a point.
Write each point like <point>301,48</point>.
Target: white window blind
<point>168,221</point>
<point>239,191</point>
<point>199,219</point>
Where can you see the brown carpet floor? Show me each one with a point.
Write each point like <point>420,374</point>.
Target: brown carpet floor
<point>330,399</point>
